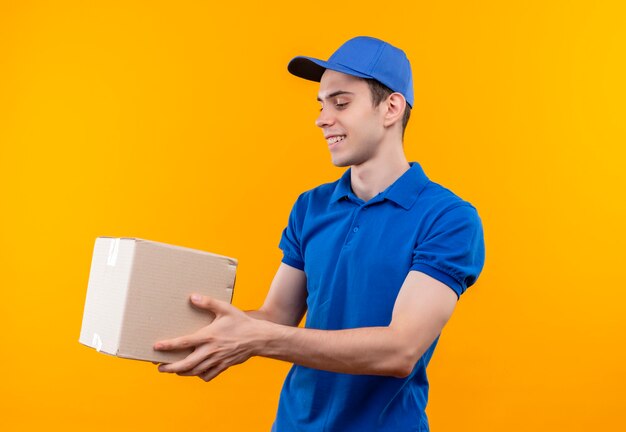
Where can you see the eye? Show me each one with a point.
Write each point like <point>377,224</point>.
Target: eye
<point>341,105</point>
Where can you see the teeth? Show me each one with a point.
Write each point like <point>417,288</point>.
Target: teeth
<point>333,140</point>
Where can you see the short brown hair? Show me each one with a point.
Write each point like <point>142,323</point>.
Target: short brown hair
<point>380,92</point>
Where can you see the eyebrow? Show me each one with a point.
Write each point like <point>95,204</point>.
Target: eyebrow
<point>333,94</point>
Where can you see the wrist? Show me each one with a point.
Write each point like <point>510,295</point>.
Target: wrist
<point>266,338</point>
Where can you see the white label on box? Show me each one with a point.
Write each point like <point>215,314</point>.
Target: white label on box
<point>96,342</point>
<point>113,250</point>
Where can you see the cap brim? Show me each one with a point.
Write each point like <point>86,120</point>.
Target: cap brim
<point>312,69</point>
<point>307,68</point>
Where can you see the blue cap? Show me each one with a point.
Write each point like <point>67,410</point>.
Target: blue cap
<point>363,57</point>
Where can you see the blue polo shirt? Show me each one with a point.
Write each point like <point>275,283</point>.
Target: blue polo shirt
<point>356,256</point>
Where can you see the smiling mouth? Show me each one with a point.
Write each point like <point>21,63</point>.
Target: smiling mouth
<point>335,139</point>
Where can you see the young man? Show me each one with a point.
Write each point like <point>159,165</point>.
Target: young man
<point>378,258</point>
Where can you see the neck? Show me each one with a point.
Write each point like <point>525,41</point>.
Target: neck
<point>378,173</point>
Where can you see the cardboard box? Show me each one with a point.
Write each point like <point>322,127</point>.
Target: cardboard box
<point>138,293</point>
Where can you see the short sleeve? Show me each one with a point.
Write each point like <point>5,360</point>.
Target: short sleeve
<point>290,239</point>
<point>453,251</point>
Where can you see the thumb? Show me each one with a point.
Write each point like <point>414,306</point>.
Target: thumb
<point>210,304</point>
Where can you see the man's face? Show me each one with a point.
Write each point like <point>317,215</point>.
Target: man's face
<point>352,126</point>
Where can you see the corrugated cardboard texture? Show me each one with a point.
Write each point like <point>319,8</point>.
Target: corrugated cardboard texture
<point>157,303</point>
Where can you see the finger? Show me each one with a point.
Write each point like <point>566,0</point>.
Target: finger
<point>213,372</point>
<point>200,368</point>
<point>210,304</point>
<point>187,364</point>
<point>182,342</point>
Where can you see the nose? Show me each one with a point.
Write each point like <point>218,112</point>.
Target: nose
<point>324,119</point>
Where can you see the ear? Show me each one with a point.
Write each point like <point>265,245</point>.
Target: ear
<point>396,104</point>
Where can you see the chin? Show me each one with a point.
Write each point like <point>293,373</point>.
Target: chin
<point>341,163</point>
<point>342,159</point>
<point>349,161</point>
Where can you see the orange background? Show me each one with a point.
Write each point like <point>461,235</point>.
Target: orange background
<point>178,122</point>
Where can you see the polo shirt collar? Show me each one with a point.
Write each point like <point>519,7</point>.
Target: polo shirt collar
<point>343,189</point>
<point>403,191</point>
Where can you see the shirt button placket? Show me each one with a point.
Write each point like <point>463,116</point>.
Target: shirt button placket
<point>355,228</point>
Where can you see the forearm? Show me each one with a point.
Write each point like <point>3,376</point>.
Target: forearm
<point>370,350</point>
<point>273,317</point>
<point>258,314</point>
<point>422,308</point>
<point>286,300</point>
